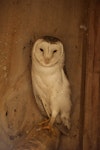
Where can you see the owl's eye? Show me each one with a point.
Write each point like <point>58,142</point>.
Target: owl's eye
<point>41,50</point>
<point>54,51</point>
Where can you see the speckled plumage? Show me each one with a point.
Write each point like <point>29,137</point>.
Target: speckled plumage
<point>50,84</point>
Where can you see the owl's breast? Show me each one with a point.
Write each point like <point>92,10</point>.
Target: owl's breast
<point>41,86</point>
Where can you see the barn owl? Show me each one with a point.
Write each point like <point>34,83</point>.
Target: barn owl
<point>50,85</point>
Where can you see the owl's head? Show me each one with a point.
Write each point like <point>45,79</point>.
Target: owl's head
<point>48,51</point>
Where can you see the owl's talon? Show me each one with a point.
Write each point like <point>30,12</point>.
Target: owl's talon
<point>44,122</point>
<point>49,128</point>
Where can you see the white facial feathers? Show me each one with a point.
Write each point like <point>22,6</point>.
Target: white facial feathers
<point>48,54</point>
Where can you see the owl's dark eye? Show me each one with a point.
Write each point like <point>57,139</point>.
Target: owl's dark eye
<point>41,50</point>
<point>54,51</point>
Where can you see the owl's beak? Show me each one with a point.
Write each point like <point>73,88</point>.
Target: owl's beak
<point>47,60</point>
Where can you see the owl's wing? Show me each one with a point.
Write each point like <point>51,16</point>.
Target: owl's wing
<point>40,105</point>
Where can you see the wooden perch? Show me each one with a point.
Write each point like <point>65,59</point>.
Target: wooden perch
<point>39,140</point>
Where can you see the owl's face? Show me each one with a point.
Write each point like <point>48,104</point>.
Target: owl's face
<point>46,53</point>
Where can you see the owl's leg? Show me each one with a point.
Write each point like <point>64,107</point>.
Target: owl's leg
<point>49,127</point>
<point>53,117</point>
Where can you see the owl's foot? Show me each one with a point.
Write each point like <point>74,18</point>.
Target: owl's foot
<point>50,129</point>
<point>45,126</point>
<point>44,122</point>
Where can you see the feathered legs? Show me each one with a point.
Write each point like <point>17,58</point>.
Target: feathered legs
<point>49,126</point>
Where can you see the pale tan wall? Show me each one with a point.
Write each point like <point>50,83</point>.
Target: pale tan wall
<point>21,23</point>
